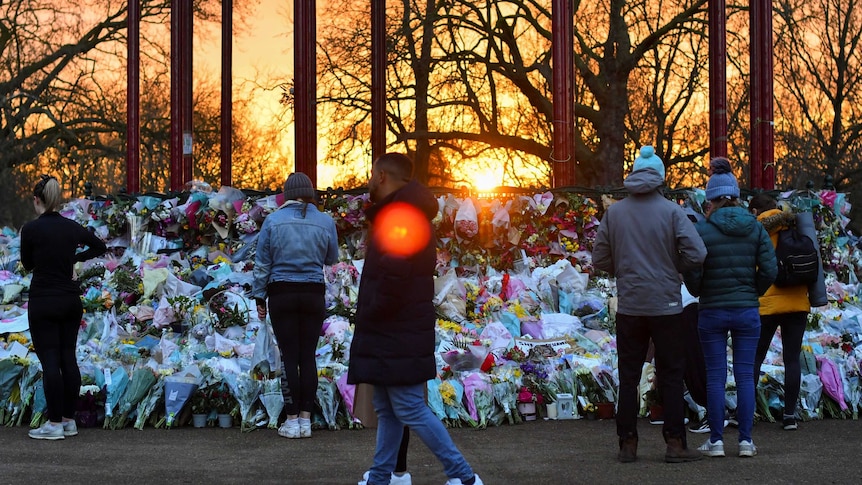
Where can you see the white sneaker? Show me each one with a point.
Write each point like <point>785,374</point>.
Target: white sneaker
<point>404,479</point>
<point>70,428</point>
<point>304,428</point>
<point>457,481</point>
<point>47,431</point>
<point>290,429</point>
<point>712,449</point>
<point>747,448</point>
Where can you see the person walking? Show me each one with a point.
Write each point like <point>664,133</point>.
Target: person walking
<point>785,307</point>
<point>739,267</point>
<point>393,342</point>
<point>647,255</point>
<point>294,244</point>
<point>49,248</point>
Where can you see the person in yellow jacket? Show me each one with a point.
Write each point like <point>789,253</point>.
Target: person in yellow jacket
<point>785,307</point>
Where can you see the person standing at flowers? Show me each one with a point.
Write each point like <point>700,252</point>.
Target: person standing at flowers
<point>294,244</point>
<point>393,343</point>
<point>739,267</point>
<point>646,241</point>
<point>785,307</point>
<point>49,248</point>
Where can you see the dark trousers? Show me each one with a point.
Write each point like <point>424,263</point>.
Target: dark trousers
<point>792,331</point>
<point>297,313</point>
<point>54,323</point>
<point>401,464</point>
<point>695,367</point>
<point>633,336</point>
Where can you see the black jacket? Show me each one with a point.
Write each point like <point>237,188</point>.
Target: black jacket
<point>49,248</point>
<point>393,342</point>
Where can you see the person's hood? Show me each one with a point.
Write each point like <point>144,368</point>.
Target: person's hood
<point>643,181</point>
<point>414,194</point>
<point>775,220</point>
<point>733,221</point>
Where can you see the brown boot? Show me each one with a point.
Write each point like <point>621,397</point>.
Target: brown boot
<point>679,452</point>
<point>628,449</point>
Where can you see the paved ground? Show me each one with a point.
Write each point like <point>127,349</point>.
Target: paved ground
<point>549,452</point>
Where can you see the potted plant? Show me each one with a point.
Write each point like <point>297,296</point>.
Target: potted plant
<point>200,408</point>
<point>653,402</point>
<point>223,403</point>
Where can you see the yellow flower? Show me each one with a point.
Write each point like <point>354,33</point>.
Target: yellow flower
<point>447,325</point>
<point>447,392</point>
<point>518,310</point>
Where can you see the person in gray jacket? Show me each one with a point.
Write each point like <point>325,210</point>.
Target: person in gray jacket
<point>294,244</point>
<point>646,241</point>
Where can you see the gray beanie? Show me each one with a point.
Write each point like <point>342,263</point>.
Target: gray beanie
<point>722,183</point>
<point>648,159</point>
<point>298,186</point>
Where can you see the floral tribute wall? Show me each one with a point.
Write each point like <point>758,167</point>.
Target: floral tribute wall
<point>525,327</point>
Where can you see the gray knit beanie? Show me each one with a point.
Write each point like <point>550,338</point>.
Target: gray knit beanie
<point>298,186</point>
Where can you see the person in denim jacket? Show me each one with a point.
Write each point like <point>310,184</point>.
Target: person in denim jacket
<point>294,244</point>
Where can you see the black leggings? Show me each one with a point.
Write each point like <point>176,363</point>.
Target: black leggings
<point>792,331</point>
<point>297,313</point>
<point>54,323</point>
<point>401,464</point>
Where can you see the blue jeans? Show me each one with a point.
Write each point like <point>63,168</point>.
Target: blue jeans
<point>400,406</point>
<point>744,327</point>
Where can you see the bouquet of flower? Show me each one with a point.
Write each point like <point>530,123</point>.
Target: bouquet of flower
<point>88,405</point>
<point>229,308</point>
<point>139,385</point>
<point>480,398</point>
<point>272,399</point>
<point>178,390</point>
<point>466,220</point>
<point>328,398</point>
<point>115,384</point>
<point>244,224</point>
<point>27,386</point>
<point>452,392</point>
<point>348,212</point>
<point>245,390</point>
<point>149,403</point>
<point>588,387</point>
<point>40,405</point>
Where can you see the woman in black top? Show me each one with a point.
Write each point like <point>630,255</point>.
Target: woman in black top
<point>49,248</point>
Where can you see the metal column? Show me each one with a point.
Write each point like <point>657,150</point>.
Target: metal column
<point>305,75</point>
<point>378,78</point>
<point>762,169</point>
<point>563,72</point>
<point>176,168</point>
<point>226,92</point>
<point>717,78</point>
<point>187,91</point>
<point>133,99</point>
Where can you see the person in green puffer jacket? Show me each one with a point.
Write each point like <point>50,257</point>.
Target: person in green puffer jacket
<point>740,266</point>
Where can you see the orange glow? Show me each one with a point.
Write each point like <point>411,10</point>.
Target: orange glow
<point>401,229</point>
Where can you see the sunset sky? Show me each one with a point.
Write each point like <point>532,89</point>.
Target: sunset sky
<point>263,51</point>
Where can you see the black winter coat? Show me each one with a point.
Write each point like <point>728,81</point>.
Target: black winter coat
<point>393,342</point>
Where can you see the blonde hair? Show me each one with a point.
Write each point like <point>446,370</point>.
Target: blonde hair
<point>49,192</point>
<point>720,202</point>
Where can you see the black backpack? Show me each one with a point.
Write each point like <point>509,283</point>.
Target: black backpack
<point>797,259</point>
